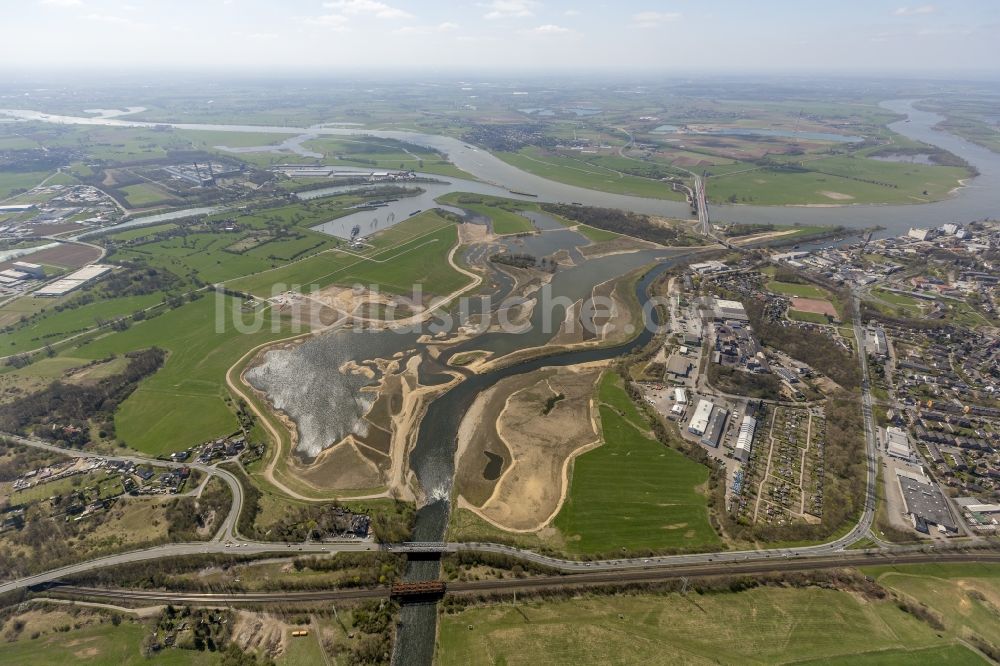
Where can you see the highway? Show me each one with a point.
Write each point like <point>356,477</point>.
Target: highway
<point>702,202</point>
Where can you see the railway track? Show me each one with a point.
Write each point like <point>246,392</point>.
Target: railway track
<point>580,580</point>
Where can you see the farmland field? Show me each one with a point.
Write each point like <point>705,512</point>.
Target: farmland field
<point>762,625</point>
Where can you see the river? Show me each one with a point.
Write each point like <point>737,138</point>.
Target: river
<point>432,458</point>
<point>976,201</point>
<point>433,462</point>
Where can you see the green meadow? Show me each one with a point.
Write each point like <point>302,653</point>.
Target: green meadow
<point>186,401</point>
<point>583,174</point>
<point>767,625</point>
<point>632,492</point>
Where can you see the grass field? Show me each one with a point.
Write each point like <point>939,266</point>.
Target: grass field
<point>54,325</point>
<point>100,645</point>
<point>837,180</point>
<point>581,174</point>
<point>596,235</point>
<point>793,289</point>
<point>12,182</point>
<point>966,597</point>
<point>763,625</point>
<point>414,251</point>
<point>142,232</point>
<point>379,154</point>
<point>899,303</point>
<point>611,393</point>
<point>633,492</point>
<point>145,194</point>
<point>501,212</point>
<point>185,402</point>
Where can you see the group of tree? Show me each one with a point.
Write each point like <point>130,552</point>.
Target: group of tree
<point>812,347</point>
<point>64,408</point>
<point>620,221</point>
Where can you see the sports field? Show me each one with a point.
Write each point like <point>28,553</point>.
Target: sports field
<point>632,491</point>
<point>795,289</point>
<point>808,317</point>
<point>762,625</point>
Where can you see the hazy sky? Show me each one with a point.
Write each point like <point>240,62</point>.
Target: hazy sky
<point>948,37</point>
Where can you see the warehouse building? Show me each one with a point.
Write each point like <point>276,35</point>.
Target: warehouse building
<point>744,441</point>
<point>897,443</point>
<point>678,367</point>
<point>699,422</point>
<point>926,506</point>
<point>708,267</point>
<point>720,309</point>
<point>716,427</point>
<point>34,270</point>
<point>680,396</point>
<point>73,281</point>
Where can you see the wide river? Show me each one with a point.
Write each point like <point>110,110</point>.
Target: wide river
<point>432,459</point>
<point>976,201</point>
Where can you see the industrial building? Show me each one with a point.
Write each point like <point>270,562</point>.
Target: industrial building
<point>708,267</point>
<point>877,343</point>
<point>720,309</point>
<point>34,270</point>
<point>10,277</point>
<point>744,441</point>
<point>980,516</point>
<point>680,396</point>
<point>926,506</point>
<point>897,443</point>
<point>699,422</point>
<point>73,281</point>
<point>716,427</point>
<point>678,367</point>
